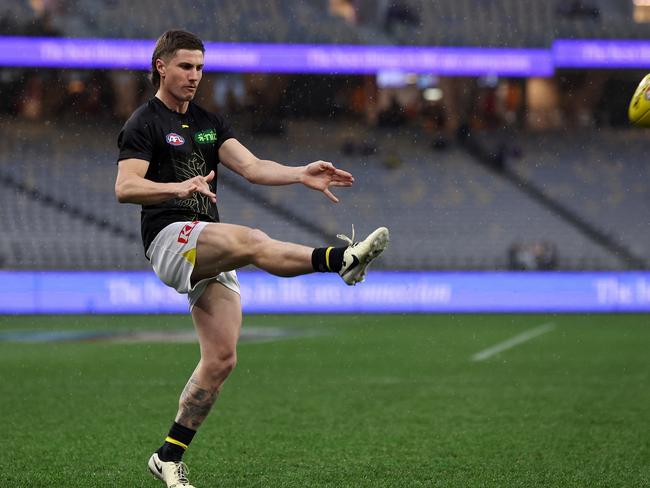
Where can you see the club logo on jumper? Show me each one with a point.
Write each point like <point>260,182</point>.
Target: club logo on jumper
<point>174,139</point>
<point>647,92</point>
<point>207,136</point>
<point>184,235</point>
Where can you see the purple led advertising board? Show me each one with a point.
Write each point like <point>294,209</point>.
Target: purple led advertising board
<point>280,58</point>
<point>601,54</point>
<point>33,292</point>
<point>48,52</point>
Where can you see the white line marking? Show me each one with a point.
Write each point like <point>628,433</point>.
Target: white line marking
<point>513,341</point>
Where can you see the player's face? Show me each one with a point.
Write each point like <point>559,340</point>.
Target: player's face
<point>180,76</point>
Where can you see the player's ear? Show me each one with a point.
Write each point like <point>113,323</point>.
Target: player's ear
<point>160,66</point>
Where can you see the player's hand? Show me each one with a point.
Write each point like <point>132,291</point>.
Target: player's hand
<point>197,184</point>
<point>321,175</point>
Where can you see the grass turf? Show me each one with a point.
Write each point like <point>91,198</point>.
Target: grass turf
<point>368,401</point>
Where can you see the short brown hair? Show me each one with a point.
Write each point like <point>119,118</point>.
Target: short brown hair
<point>167,45</point>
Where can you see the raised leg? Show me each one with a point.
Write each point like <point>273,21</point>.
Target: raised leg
<point>224,247</point>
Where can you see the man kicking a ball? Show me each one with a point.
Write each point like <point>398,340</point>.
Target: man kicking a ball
<point>169,151</point>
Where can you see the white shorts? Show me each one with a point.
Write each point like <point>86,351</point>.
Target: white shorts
<point>173,254</point>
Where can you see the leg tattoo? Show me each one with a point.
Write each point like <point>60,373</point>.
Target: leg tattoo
<point>195,404</point>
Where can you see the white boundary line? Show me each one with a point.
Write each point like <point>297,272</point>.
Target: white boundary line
<point>513,341</point>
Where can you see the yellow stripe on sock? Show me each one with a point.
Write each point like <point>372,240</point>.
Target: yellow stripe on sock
<point>174,441</point>
<point>327,258</point>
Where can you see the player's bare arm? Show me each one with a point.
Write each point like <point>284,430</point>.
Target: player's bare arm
<point>319,175</point>
<point>131,186</point>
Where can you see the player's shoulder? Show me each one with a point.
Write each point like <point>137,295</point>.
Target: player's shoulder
<point>203,112</point>
<point>144,113</point>
<point>144,119</point>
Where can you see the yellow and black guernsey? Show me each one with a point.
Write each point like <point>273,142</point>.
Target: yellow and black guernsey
<point>178,147</point>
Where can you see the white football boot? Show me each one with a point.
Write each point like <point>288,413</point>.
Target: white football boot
<point>174,475</point>
<point>358,256</point>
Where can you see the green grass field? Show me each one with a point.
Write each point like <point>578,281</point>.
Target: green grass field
<point>343,401</point>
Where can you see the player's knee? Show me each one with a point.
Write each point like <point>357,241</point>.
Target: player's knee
<point>220,364</point>
<point>256,240</point>
<point>228,363</point>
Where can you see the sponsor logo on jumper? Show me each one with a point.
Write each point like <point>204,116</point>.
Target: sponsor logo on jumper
<point>174,139</point>
<point>647,93</point>
<point>207,136</point>
<point>184,235</point>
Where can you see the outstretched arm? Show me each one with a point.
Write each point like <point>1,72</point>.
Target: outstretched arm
<point>319,175</point>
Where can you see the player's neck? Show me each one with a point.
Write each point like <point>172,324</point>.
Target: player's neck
<point>171,102</point>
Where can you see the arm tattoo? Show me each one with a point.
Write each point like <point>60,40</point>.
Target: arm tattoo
<point>195,404</point>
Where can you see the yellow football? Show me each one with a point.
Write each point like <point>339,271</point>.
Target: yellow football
<point>639,111</point>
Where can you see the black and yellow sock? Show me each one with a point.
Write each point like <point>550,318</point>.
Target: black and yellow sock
<point>327,259</point>
<point>176,443</point>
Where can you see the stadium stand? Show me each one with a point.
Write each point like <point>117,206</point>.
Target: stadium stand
<point>231,21</point>
<point>512,23</point>
<point>64,201</point>
<point>497,23</point>
<point>598,174</point>
<point>43,237</point>
<point>444,210</point>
